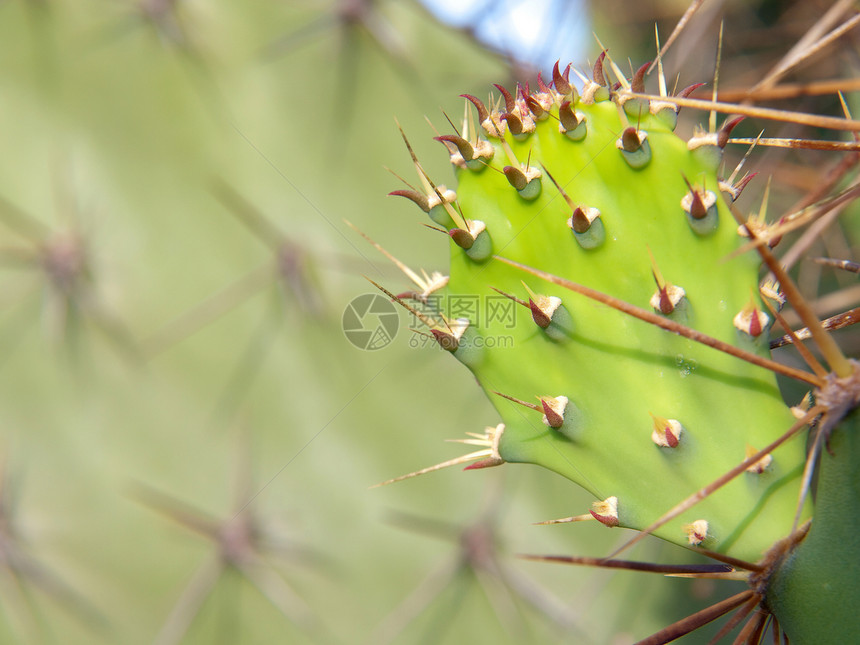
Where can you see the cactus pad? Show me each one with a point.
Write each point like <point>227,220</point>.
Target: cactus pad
<point>594,187</point>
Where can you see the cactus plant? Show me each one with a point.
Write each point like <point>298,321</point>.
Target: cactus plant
<point>117,126</point>
<point>591,297</point>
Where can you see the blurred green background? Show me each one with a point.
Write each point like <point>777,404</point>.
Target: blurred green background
<point>187,439</point>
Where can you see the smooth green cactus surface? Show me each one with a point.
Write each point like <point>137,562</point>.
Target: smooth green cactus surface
<point>660,223</point>
<point>815,590</point>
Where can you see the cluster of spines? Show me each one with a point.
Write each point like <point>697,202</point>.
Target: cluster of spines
<point>471,151</point>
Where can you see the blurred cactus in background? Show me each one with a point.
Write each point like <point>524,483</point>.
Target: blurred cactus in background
<point>188,436</point>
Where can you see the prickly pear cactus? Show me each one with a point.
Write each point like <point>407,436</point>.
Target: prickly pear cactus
<point>600,191</point>
<point>596,294</point>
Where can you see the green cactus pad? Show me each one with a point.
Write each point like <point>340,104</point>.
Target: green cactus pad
<point>618,373</point>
